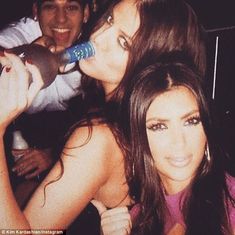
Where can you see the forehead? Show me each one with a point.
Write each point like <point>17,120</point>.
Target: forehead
<point>59,1</point>
<point>126,17</point>
<point>173,103</point>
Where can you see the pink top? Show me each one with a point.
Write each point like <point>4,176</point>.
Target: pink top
<point>174,204</point>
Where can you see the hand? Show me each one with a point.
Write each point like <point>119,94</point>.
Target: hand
<point>16,94</point>
<point>49,43</point>
<point>115,221</point>
<point>33,163</point>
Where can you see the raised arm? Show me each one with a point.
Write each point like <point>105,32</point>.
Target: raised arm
<point>15,96</point>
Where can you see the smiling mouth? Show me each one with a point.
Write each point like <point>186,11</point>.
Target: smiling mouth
<point>60,30</point>
<point>180,161</point>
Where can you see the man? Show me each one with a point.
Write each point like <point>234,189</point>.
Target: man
<point>56,24</point>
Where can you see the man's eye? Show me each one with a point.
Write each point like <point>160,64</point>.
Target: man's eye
<point>73,8</point>
<point>193,121</point>
<point>48,7</point>
<point>157,127</point>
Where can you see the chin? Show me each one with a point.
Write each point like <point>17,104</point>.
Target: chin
<point>181,176</point>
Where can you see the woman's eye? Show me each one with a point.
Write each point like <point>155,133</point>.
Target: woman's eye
<point>123,43</point>
<point>157,127</point>
<point>193,121</point>
<point>110,20</point>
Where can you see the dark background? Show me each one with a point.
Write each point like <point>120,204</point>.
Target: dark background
<point>212,13</point>
<point>218,18</point>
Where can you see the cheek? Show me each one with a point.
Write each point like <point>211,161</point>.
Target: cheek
<point>199,146</point>
<point>157,147</point>
<point>197,139</point>
<point>116,65</point>
<point>77,23</point>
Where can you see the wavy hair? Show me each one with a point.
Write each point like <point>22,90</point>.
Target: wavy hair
<point>208,195</point>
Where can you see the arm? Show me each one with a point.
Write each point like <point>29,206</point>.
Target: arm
<point>15,96</point>
<point>87,167</point>
<point>21,32</point>
<point>52,98</point>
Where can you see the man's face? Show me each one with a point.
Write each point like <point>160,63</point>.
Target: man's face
<point>62,20</point>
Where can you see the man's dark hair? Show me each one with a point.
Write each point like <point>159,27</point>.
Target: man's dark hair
<point>83,2</point>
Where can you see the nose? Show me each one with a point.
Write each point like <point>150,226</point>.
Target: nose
<point>61,15</point>
<point>178,139</point>
<point>103,37</point>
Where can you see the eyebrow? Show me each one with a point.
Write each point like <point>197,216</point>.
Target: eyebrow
<point>167,120</point>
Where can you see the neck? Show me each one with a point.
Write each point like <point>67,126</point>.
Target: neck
<point>172,186</point>
<point>108,90</point>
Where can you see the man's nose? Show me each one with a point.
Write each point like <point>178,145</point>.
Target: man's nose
<point>61,15</point>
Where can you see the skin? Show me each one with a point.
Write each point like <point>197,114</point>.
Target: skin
<point>61,20</point>
<point>61,24</point>
<point>111,43</point>
<point>176,137</point>
<point>177,142</point>
<point>94,170</point>
<point>116,221</point>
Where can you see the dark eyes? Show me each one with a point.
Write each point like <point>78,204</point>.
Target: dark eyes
<point>123,43</point>
<point>48,6</point>
<point>70,8</point>
<point>121,38</point>
<point>157,127</point>
<point>192,121</point>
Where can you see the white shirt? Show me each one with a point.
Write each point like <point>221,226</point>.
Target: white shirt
<point>65,86</point>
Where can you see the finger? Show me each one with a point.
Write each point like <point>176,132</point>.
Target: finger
<point>121,231</point>
<point>116,211</point>
<point>99,206</point>
<point>36,83</point>
<point>36,173</point>
<point>19,79</point>
<point>117,219</point>
<point>123,227</point>
<point>18,64</point>
<point>26,156</point>
<point>24,169</point>
<point>4,61</point>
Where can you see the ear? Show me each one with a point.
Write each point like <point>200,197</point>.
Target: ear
<point>86,14</point>
<point>35,11</point>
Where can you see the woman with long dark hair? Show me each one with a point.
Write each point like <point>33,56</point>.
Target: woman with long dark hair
<point>93,157</point>
<point>177,174</point>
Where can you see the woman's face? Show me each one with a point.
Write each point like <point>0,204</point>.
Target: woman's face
<point>112,42</point>
<point>176,137</point>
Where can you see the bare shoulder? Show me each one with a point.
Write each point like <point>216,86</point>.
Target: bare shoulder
<point>97,140</point>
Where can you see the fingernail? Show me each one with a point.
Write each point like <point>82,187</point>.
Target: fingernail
<point>29,61</point>
<point>8,69</point>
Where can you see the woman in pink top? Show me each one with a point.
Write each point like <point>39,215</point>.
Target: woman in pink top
<point>177,172</point>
